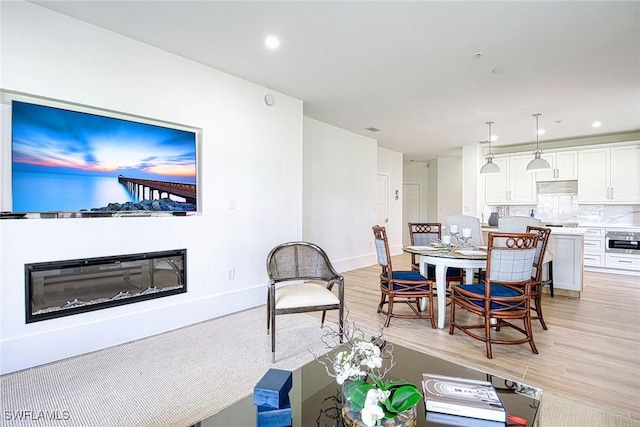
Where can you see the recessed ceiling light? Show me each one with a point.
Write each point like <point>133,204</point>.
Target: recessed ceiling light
<point>499,70</point>
<point>272,42</point>
<point>494,137</point>
<point>596,124</point>
<point>541,131</point>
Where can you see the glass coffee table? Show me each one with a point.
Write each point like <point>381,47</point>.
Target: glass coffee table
<point>316,397</point>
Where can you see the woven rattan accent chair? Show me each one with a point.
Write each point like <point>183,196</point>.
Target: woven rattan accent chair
<point>423,233</point>
<point>505,294</point>
<point>400,286</point>
<point>536,285</point>
<point>312,278</point>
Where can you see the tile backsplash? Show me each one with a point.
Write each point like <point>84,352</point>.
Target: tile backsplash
<point>564,207</point>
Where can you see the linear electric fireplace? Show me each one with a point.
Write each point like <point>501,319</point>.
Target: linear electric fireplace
<point>61,288</point>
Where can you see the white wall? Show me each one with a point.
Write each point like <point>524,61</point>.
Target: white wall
<point>249,151</point>
<point>339,193</point>
<point>390,163</point>
<point>472,183</point>
<point>449,187</point>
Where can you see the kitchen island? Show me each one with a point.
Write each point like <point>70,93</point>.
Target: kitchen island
<point>566,246</point>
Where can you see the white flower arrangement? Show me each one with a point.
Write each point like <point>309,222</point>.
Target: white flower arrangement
<point>359,369</point>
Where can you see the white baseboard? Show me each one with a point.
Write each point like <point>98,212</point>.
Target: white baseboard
<point>52,345</point>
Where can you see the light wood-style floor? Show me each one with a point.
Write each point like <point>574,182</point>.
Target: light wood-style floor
<point>589,354</point>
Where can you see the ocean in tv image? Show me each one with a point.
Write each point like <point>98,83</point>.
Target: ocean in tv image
<point>68,161</point>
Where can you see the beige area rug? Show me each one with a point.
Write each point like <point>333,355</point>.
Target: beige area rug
<point>180,377</point>
<point>172,379</point>
<point>557,411</point>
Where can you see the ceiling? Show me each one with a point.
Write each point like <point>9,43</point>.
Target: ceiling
<point>427,74</point>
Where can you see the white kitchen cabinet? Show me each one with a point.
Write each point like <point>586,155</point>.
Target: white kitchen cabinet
<point>623,261</point>
<point>609,175</point>
<point>594,247</point>
<point>564,166</point>
<point>513,185</point>
<point>568,261</point>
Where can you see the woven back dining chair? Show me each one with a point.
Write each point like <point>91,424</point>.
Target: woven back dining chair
<point>536,285</point>
<point>423,234</point>
<point>519,224</point>
<point>301,280</point>
<point>505,294</point>
<point>400,286</point>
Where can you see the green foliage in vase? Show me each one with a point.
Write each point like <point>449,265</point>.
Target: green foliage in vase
<point>401,395</point>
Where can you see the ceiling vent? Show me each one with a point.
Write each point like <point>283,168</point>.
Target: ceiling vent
<point>372,129</point>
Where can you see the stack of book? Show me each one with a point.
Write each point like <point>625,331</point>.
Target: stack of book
<point>462,401</point>
<point>271,397</point>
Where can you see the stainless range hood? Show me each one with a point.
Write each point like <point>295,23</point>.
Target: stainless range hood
<point>558,187</point>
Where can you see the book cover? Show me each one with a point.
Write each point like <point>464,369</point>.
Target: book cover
<point>462,396</point>
<point>458,420</point>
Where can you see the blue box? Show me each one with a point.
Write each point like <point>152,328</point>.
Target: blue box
<point>270,417</point>
<point>272,391</point>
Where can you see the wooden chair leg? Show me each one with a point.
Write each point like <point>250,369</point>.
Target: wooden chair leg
<point>452,318</point>
<point>550,280</point>
<point>487,335</point>
<point>268,311</point>
<point>389,311</point>
<point>529,332</point>
<point>433,321</point>
<point>273,338</point>
<point>537,301</point>
<point>383,297</point>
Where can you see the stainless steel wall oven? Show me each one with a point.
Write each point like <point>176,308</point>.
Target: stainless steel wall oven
<point>624,242</point>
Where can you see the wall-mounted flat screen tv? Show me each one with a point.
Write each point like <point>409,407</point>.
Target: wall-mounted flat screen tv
<point>73,161</point>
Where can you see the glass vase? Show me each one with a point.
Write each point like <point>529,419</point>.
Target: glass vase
<point>408,418</point>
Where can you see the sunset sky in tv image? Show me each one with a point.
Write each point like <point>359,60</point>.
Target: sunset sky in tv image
<point>50,139</point>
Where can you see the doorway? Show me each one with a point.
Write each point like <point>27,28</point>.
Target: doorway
<point>410,208</point>
<point>382,200</point>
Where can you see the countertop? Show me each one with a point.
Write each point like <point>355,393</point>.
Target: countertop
<point>557,231</point>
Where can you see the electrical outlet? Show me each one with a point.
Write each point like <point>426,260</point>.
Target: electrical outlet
<point>231,274</point>
<point>232,203</point>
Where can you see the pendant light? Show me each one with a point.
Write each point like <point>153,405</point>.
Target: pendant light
<point>538,163</point>
<point>489,167</point>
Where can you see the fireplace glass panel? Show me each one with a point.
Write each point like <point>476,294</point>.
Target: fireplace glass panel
<point>61,288</point>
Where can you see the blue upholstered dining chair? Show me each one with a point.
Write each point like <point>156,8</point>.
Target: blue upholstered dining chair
<point>536,285</point>
<point>519,224</point>
<point>400,286</point>
<point>505,294</point>
<point>301,280</point>
<point>422,234</point>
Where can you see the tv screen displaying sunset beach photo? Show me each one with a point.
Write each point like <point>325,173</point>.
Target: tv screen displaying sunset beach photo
<point>71,161</point>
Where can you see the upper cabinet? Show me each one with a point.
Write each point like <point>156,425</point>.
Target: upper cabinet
<point>513,185</point>
<point>564,166</point>
<point>609,175</point>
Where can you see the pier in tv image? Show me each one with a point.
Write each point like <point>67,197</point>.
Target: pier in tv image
<point>71,161</point>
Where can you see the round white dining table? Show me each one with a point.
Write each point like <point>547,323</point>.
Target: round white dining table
<point>468,259</point>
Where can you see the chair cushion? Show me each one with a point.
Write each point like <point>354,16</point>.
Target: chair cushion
<point>408,275</point>
<point>451,272</point>
<point>496,290</point>
<point>304,295</point>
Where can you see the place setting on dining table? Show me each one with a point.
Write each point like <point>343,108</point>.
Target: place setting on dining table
<point>453,250</point>
<point>456,244</point>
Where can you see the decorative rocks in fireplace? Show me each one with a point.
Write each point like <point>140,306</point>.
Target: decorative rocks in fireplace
<point>61,288</point>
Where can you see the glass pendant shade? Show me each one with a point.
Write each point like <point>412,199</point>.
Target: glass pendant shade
<point>538,163</point>
<point>489,167</point>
